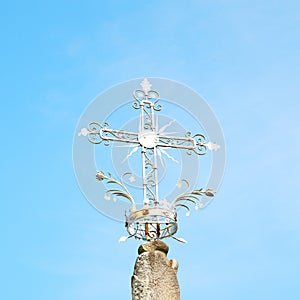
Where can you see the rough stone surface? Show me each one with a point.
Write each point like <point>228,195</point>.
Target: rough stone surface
<point>154,276</point>
<point>152,246</point>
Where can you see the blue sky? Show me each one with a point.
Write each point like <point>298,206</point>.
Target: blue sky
<point>242,56</point>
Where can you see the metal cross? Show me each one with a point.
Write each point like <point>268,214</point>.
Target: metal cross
<point>149,139</point>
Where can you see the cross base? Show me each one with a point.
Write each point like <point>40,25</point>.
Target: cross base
<point>152,223</point>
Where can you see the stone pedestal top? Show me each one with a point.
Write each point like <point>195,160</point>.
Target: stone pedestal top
<point>154,246</point>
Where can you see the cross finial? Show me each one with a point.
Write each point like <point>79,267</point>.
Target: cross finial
<point>146,85</point>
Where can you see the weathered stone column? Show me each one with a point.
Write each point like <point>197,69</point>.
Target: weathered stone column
<point>154,276</point>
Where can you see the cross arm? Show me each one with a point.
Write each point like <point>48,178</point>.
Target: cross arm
<point>190,143</point>
<point>98,133</point>
<point>119,136</point>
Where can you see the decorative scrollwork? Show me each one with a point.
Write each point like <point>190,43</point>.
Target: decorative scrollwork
<point>105,137</point>
<point>151,182</point>
<point>94,132</point>
<point>151,223</point>
<point>148,125</point>
<point>200,146</point>
<point>150,98</point>
<point>157,107</point>
<point>123,192</point>
<point>193,197</point>
<point>108,134</point>
<point>139,95</point>
<point>176,142</point>
<point>151,231</point>
<point>136,104</point>
<point>195,143</point>
<point>153,96</point>
<point>148,122</point>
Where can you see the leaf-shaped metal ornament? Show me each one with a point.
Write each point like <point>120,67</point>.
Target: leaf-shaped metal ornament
<point>193,196</point>
<point>116,192</point>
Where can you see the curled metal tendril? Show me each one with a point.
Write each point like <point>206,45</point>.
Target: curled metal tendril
<point>147,105</point>
<point>200,147</point>
<point>157,107</point>
<point>148,126</point>
<point>188,134</point>
<point>147,111</point>
<point>152,234</point>
<point>199,138</point>
<point>151,179</point>
<point>106,143</point>
<point>136,104</point>
<point>148,164</point>
<point>189,152</point>
<point>151,182</point>
<point>94,138</point>
<point>150,151</point>
<point>94,127</point>
<point>139,95</point>
<point>153,96</point>
<point>126,174</point>
<point>104,133</point>
<point>151,197</point>
<point>133,231</point>
<point>185,182</point>
<point>94,132</point>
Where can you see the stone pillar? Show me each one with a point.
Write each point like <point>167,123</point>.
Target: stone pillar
<point>154,276</point>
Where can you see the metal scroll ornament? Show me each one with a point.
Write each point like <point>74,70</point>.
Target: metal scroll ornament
<point>157,219</point>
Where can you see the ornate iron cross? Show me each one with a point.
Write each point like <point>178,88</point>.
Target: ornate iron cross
<point>158,218</point>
